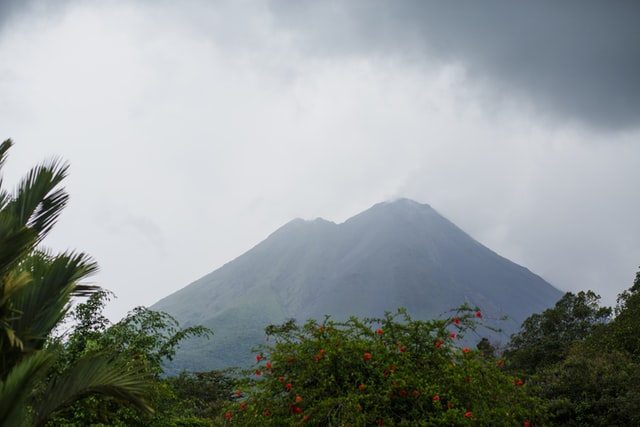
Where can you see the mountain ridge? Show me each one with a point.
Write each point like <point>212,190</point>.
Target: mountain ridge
<point>394,254</point>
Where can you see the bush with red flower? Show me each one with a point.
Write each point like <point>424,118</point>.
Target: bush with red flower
<point>414,373</point>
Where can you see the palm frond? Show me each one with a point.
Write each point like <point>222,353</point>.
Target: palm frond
<point>17,388</point>
<point>45,302</point>
<point>9,340</point>
<point>4,148</point>
<point>15,242</point>
<point>37,203</point>
<point>94,375</point>
<point>4,197</point>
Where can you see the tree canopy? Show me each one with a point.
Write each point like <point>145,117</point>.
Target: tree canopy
<point>585,362</point>
<point>545,338</point>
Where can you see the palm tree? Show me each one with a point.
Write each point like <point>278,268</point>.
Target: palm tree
<point>36,290</point>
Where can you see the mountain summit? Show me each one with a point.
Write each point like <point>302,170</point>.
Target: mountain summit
<point>395,254</point>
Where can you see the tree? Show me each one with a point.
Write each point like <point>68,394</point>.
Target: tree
<point>145,338</point>
<point>545,338</point>
<point>36,289</point>
<point>586,366</point>
<point>592,387</point>
<point>393,371</point>
<point>624,333</point>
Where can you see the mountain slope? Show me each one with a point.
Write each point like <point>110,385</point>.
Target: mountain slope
<point>395,254</point>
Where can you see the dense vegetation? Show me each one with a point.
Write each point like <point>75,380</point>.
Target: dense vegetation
<point>588,368</point>
<point>575,364</point>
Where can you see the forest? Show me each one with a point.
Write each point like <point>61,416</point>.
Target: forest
<point>64,363</point>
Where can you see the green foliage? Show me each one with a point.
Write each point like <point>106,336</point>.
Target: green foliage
<point>391,371</point>
<point>545,338</point>
<point>592,388</point>
<point>201,395</point>
<point>590,375</point>
<point>624,331</point>
<point>597,383</point>
<point>36,289</point>
<point>146,339</point>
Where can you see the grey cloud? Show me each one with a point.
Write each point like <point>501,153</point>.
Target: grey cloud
<point>579,60</point>
<point>12,10</point>
<point>574,61</point>
<point>8,9</point>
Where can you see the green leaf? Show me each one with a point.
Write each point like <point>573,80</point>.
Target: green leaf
<point>94,374</point>
<point>18,387</point>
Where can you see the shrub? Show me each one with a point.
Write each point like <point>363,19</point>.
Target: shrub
<point>392,371</point>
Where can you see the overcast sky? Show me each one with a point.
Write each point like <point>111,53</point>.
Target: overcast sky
<point>194,129</point>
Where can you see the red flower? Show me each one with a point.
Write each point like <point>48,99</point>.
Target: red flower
<point>281,378</point>
<point>227,415</point>
<point>243,405</point>
<point>258,372</point>
<point>288,386</point>
<point>381,422</point>
<point>361,386</point>
<point>478,314</point>
<point>269,365</point>
<point>291,360</point>
<point>449,405</point>
<point>367,356</point>
<point>318,357</point>
<point>456,321</point>
<point>386,372</point>
<point>436,398</point>
<point>238,393</point>
<point>527,424</point>
<point>453,335</point>
<point>465,350</point>
<point>402,349</point>
<point>467,414</point>
<point>379,331</point>
<point>265,413</point>
<point>258,357</point>
<point>500,363</point>
<point>439,343</point>
<point>520,382</point>
<point>393,368</point>
<point>295,409</point>
<point>298,399</point>
<point>403,392</point>
<point>305,418</point>
<point>416,392</point>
